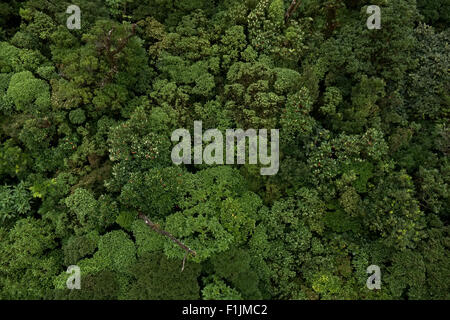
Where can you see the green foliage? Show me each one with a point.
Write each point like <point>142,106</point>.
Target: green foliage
<point>158,277</point>
<point>146,241</point>
<point>216,212</point>
<point>435,12</point>
<point>235,267</point>
<point>77,116</point>
<point>78,247</point>
<point>117,250</point>
<point>428,85</point>
<point>26,272</point>
<point>86,118</point>
<point>394,213</point>
<point>218,290</point>
<point>14,201</point>
<point>157,191</point>
<point>103,285</point>
<point>83,204</point>
<point>13,161</point>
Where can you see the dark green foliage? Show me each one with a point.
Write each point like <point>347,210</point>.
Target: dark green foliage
<point>435,12</point>
<point>103,285</point>
<point>235,267</point>
<point>157,277</point>
<point>78,247</point>
<point>86,118</point>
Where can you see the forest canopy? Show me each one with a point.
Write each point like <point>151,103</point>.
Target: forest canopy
<point>87,180</point>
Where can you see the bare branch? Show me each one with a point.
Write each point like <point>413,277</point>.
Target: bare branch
<point>294,5</point>
<point>123,42</point>
<point>184,260</point>
<point>111,56</point>
<point>156,228</point>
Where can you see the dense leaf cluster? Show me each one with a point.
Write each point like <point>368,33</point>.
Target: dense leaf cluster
<point>85,123</point>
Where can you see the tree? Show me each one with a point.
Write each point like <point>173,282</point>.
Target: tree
<point>87,179</point>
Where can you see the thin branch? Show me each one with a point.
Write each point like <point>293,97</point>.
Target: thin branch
<point>294,5</point>
<point>156,228</point>
<point>123,42</point>
<point>184,260</point>
<point>111,56</point>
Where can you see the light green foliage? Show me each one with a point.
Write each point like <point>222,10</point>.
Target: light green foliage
<point>13,59</point>
<point>28,94</point>
<point>218,290</point>
<point>86,118</point>
<point>216,212</point>
<point>91,214</point>
<point>83,204</point>
<point>117,250</point>
<point>251,96</point>
<point>233,43</point>
<point>276,11</point>
<point>146,241</point>
<point>25,272</point>
<point>295,119</point>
